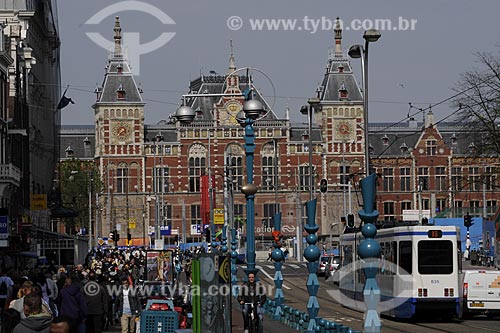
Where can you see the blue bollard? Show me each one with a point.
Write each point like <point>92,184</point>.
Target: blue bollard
<point>321,325</point>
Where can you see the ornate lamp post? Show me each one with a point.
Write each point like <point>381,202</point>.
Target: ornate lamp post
<point>311,252</point>
<point>369,249</point>
<point>252,110</point>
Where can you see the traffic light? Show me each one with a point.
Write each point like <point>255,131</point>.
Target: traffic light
<point>207,235</point>
<point>350,220</point>
<point>323,185</point>
<point>468,221</point>
<point>129,237</point>
<point>116,236</point>
<point>277,237</point>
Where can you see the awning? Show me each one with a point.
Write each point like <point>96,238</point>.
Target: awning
<point>29,254</point>
<point>63,212</point>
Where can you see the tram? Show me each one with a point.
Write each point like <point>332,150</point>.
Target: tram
<point>418,270</point>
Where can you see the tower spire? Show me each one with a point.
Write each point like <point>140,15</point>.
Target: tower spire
<point>118,37</point>
<point>338,39</point>
<point>232,65</point>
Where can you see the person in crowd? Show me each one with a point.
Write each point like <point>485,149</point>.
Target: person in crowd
<point>62,325</point>
<point>128,306</point>
<point>10,319</point>
<point>36,320</point>
<point>6,286</point>
<point>71,302</point>
<point>187,270</point>
<point>18,304</point>
<point>251,292</point>
<point>97,303</point>
<point>269,253</point>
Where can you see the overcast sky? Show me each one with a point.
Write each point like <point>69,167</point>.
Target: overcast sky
<point>420,66</point>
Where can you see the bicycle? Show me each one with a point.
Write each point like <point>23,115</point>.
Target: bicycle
<point>254,319</point>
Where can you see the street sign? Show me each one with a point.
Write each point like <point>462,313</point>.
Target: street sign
<point>165,230</point>
<point>132,223</point>
<point>38,201</point>
<point>151,230</point>
<point>218,216</point>
<point>195,229</point>
<point>4,227</point>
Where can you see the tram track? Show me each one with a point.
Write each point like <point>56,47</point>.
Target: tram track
<point>332,310</point>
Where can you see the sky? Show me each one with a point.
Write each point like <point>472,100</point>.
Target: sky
<point>418,60</point>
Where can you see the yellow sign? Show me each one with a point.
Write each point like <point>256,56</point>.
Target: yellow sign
<point>38,202</point>
<point>100,241</point>
<point>218,216</point>
<point>131,224</point>
<point>225,270</point>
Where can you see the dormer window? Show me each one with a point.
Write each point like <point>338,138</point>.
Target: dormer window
<point>403,147</point>
<point>119,68</point>
<point>69,152</point>
<point>343,95</point>
<point>305,135</point>
<point>385,140</point>
<point>199,114</point>
<point>472,148</point>
<point>120,92</point>
<point>453,139</point>
<point>341,69</point>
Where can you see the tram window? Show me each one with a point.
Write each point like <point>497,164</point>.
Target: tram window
<point>405,257</point>
<point>435,257</point>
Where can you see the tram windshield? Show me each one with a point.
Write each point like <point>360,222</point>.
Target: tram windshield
<point>435,257</point>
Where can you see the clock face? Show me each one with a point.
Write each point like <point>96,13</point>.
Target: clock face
<point>344,129</point>
<point>229,113</point>
<point>121,131</point>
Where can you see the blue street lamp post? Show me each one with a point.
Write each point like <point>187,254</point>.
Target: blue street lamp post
<point>369,248</point>
<point>253,109</point>
<point>311,252</point>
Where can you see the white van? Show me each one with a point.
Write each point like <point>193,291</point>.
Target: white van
<point>481,292</point>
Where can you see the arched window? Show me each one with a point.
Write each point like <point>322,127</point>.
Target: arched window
<point>268,168</point>
<point>197,161</point>
<point>234,163</point>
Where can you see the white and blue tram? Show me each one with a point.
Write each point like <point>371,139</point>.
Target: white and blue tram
<point>418,269</point>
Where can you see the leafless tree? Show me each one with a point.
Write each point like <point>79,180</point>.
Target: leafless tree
<point>478,99</point>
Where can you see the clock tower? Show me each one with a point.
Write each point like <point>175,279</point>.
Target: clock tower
<point>119,135</point>
<point>119,108</point>
<point>341,122</point>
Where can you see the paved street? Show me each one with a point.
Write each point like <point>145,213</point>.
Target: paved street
<point>294,289</point>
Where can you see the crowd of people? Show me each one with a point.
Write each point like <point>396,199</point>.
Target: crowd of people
<point>54,299</point>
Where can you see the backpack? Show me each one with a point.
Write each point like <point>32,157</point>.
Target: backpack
<point>3,288</point>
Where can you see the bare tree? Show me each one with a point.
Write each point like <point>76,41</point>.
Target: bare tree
<point>478,99</point>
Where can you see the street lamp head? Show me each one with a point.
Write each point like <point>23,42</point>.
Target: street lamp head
<point>240,118</point>
<point>371,35</point>
<point>253,109</point>
<point>184,114</point>
<point>304,109</point>
<point>314,102</point>
<point>355,51</point>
